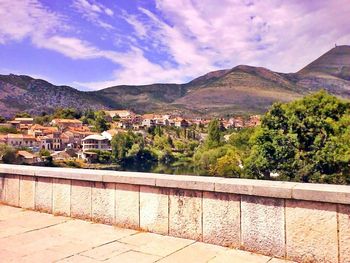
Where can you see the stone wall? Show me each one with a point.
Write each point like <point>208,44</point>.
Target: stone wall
<point>301,222</point>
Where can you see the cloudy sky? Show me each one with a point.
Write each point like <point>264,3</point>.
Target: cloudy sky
<point>92,44</point>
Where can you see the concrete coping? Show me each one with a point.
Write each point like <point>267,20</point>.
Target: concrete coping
<point>275,189</point>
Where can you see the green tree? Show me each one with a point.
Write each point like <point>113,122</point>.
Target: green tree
<point>219,161</point>
<point>123,145</point>
<point>7,154</point>
<point>2,119</point>
<point>6,130</point>
<point>227,165</point>
<point>43,119</point>
<point>68,113</point>
<point>44,153</point>
<point>241,140</point>
<point>303,140</point>
<point>116,117</point>
<point>23,115</point>
<point>103,156</point>
<point>101,124</point>
<point>158,131</point>
<point>214,138</point>
<point>88,117</point>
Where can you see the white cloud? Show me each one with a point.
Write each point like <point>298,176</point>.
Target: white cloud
<point>21,19</point>
<point>281,35</point>
<point>199,37</point>
<point>92,11</point>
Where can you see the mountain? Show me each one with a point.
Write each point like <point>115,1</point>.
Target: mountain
<point>335,62</point>
<point>331,71</point>
<point>23,93</point>
<point>240,90</point>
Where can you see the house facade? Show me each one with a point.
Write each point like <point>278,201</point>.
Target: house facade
<point>96,142</point>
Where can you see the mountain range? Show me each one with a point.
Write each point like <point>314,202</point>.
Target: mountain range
<point>238,91</point>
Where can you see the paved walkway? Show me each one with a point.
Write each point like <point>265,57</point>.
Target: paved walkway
<point>27,236</point>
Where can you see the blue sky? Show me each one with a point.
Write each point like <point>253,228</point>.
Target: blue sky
<point>93,44</point>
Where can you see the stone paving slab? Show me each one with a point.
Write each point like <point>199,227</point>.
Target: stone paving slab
<point>27,236</point>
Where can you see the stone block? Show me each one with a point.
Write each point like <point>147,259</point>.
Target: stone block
<point>43,195</point>
<point>328,193</point>
<point>262,225</point>
<point>185,214</point>
<point>69,173</point>
<point>2,188</point>
<point>255,187</point>
<point>61,196</point>
<point>311,231</point>
<point>127,205</point>
<point>185,182</point>
<point>129,178</point>
<point>154,209</point>
<point>81,199</point>
<point>12,190</point>
<point>103,202</point>
<point>344,233</point>
<point>27,192</point>
<point>221,219</point>
<point>17,169</point>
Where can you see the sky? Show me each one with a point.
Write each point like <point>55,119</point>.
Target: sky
<point>94,44</point>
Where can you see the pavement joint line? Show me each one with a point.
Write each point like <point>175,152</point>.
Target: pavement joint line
<point>177,250</point>
<point>133,234</point>
<point>92,248</point>
<point>45,227</point>
<point>142,252</point>
<point>32,230</point>
<point>211,259</point>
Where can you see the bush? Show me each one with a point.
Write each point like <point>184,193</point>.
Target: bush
<point>8,154</point>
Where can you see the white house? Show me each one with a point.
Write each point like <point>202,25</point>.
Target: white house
<point>96,142</point>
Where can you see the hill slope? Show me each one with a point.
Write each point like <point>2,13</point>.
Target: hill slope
<point>335,62</point>
<point>23,93</point>
<point>240,90</point>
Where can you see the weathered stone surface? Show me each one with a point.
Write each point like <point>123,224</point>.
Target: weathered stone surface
<point>27,192</point>
<point>41,237</point>
<point>43,194</point>
<point>61,196</point>
<point>17,169</point>
<point>255,188</point>
<point>81,199</point>
<point>107,251</point>
<point>103,202</point>
<point>154,209</point>
<point>2,188</point>
<point>12,190</point>
<point>128,178</point>
<point>185,214</point>
<point>239,256</point>
<point>344,233</point>
<point>322,193</point>
<point>262,225</point>
<point>196,253</point>
<point>155,244</point>
<point>134,256</point>
<point>311,231</point>
<point>185,182</point>
<point>221,219</point>
<point>127,205</point>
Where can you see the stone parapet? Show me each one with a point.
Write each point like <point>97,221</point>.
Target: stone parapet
<point>301,222</point>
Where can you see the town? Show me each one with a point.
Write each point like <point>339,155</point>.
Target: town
<point>69,139</point>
